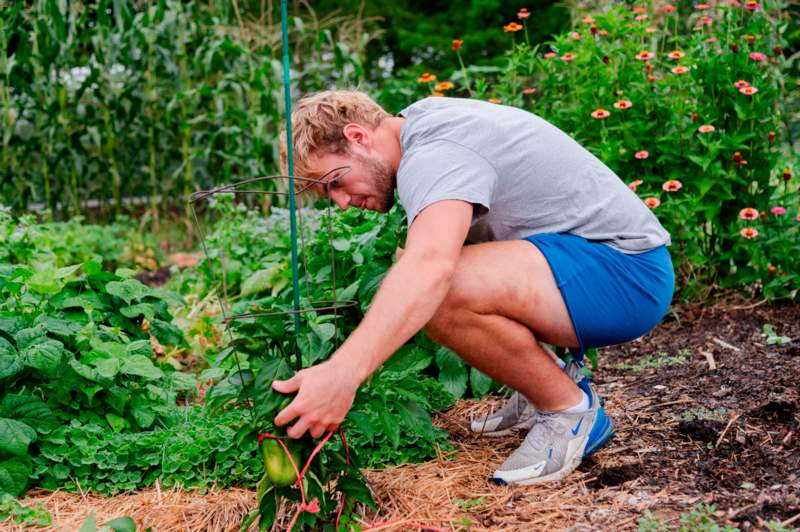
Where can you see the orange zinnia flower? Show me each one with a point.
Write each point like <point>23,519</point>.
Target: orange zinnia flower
<point>640,17</point>
<point>748,213</point>
<point>512,27</point>
<point>701,7</point>
<point>639,9</point>
<point>523,13</point>
<point>645,55</point>
<point>642,154</point>
<point>680,69</point>
<point>623,104</point>
<point>677,54</point>
<point>528,90</point>
<point>444,86</point>
<point>567,57</point>
<point>588,20</point>
<point>652,202</point>
<point>757,56</point>
<point>741,83</point>
<point>706,128</point>
<point>633,184</point>
<point>550,55</point>
<point>669,8</point>
<point>749,232</point>
<point>427,77</point>
<point>600,113</point>
<point>749,90</point>
<point>672,185</point>
<point>457,44</point>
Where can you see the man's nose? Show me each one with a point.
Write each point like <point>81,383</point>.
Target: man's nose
<point>340,198</point>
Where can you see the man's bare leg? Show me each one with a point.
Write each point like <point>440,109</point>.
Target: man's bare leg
<point>502,301</point>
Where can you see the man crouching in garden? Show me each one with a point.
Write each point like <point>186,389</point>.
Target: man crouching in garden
<point>561,252</point>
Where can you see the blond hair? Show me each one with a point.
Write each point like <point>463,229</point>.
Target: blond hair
<point>318,127</point>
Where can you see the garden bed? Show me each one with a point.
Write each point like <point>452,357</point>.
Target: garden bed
<point>686,434</point>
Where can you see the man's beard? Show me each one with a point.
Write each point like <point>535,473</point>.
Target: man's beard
<point>383,180</point>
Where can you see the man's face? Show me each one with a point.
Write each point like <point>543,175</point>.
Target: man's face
<point>369,184</point>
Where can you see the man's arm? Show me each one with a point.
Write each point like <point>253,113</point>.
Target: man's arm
<point>408,298</point>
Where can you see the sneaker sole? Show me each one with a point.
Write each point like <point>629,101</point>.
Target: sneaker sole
<point>504,432</point>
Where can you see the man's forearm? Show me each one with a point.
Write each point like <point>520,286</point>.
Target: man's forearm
<point>407,299</point>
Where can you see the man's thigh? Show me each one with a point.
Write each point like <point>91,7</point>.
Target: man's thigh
<point>512,279</point>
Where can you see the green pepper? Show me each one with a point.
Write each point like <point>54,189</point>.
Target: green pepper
<point>279,468</point>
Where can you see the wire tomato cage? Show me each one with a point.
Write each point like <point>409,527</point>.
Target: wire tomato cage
<point>270,186</point>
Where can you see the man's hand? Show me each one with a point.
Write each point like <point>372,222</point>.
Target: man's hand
<point>325,393</point>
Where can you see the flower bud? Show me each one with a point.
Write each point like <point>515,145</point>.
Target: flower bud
<point>695,117</point>
<point>593,29</point>
<point>777,50</point>
<point>734,47</point>
<point>772,270</point>
<point>786,175</point>
<point>606,60</point>
<point>771,136</point>
<point>737,157</point>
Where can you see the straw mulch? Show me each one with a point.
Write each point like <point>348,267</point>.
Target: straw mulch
<point>451,492</point>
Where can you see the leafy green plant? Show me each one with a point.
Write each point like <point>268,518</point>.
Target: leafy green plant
<point>660,360</point>
<point>774,338</point>
<point>12,510</point>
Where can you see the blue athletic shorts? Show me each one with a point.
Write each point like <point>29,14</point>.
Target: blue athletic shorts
<point>612,297</point>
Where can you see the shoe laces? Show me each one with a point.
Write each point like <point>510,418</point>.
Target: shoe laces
<point>546,424</point>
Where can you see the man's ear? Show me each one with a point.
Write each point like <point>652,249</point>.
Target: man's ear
<point>356,133</point>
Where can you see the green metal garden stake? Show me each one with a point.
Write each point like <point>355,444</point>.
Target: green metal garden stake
<point>287,93</point>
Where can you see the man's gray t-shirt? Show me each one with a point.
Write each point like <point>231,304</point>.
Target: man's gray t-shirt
<point>523,175</point>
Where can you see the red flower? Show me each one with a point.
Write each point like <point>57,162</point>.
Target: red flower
<point>457,44</point>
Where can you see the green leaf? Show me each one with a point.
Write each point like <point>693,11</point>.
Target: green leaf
<point>44,282</point>
<point>268,509</point>
<point>66,271</point>
<point>479,382</point>
<point>259,281</point>
<point>90,525</point>
<point>117,423</point>
<point>265,398</point>
<point>128,290</point>
<point>83,370</point>
<point>166,333</point>
<point>15,436</point>
<point>58,326</point>
<point>14,474</point>
<point>452,372</point>
<point>325,331</point>
<point>107,368</point>
<point>10,361</point>
<point>415,418</point>
<point>30,410</point>
<point>45,356</point>
<point>409,358</point>
<point>139,347</point>
<point>140,309</point>
<point>122,524</point>
<point>390,427</point>
<point>141,367</point>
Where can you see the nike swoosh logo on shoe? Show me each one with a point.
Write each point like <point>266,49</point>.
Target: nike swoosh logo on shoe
<point>577,427</point>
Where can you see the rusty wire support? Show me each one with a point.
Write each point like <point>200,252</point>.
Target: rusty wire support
<point>333,305</point>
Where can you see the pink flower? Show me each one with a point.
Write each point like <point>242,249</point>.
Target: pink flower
<point>672,185</point>
<point>758,56</point>
<point>680,69</point>
<point>645,55</point>
<point>778,210</point>
<point>633,184</point>
<point>623,104</point>
<point>652,202</point>
<point>642,154</point>
<point>748,91</point>
<point>567,57</point>
<point>741,83</point>
<point>751,5</point>
<point>600,114</point>
<point>748,213</point>
<point>749,232</point>
<point>706,128</point>
<point>677,54</point>
<point>550,55</point>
